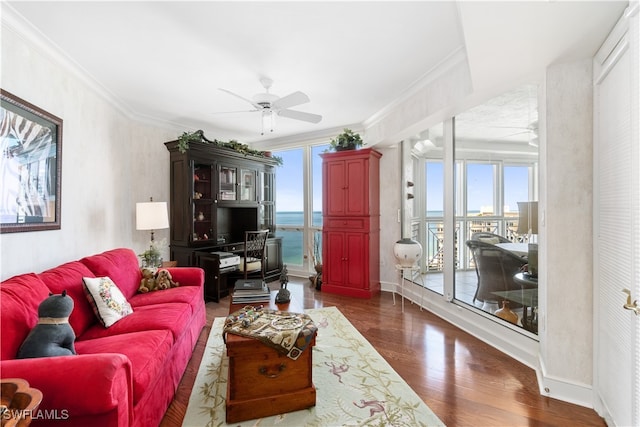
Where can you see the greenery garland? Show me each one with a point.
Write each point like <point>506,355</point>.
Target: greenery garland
<point>198,136</point>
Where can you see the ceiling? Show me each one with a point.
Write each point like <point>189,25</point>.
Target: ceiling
<point>164,62</point>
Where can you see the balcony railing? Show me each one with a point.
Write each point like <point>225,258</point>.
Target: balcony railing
<point>434,238</point>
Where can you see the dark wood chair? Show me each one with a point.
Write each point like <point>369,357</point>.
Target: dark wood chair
<point>253,262</point>
<point>495,268</point>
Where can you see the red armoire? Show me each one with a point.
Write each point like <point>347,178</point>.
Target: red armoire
<point>351,222</point>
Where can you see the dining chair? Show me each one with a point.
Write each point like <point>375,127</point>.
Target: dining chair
<point>495,268</point>
<point>253,261</point>
<point>487,237</point>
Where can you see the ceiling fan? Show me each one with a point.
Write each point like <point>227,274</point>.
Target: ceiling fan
<point>532,130</point>
<point>269,104</point>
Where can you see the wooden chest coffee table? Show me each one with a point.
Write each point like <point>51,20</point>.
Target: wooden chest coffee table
<point>263,382</point>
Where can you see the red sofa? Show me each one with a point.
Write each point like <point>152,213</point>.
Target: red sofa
<point>124,375</point>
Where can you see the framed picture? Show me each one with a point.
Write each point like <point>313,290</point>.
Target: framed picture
<point>30,166</point>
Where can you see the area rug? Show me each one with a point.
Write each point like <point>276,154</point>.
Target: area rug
<point>355,386</point>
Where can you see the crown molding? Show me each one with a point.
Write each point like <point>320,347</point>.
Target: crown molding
<point>455,58</point>
<point>13,21</point>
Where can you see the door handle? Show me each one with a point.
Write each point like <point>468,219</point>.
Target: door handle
<point>633,306</point>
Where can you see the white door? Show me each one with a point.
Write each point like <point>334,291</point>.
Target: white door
<point>617,224</point>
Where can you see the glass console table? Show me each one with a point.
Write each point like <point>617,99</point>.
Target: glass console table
<point>528,297</point>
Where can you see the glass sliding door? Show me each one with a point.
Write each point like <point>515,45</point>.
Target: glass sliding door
<point>428,152</point>
<point>490,154</point>
<point>496,156</point>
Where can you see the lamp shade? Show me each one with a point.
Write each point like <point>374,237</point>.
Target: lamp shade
<point>151,216</point>
<point>528,218</point>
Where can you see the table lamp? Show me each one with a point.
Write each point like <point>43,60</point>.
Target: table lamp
<point>151,216</point>
<point>528,225</point>
<point>528,219</point>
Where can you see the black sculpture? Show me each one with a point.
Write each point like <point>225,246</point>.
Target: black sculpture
<point>283,296</point>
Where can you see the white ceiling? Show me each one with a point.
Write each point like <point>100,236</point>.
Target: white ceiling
<point>164,62</point>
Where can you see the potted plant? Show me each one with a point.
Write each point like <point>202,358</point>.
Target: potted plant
<point>316,257</point>
<point>152,257</point>
<point>347,140</point>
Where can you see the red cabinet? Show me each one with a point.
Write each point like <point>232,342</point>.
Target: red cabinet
<point>351,222</point>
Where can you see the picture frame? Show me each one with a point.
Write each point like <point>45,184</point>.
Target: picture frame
<point>30,166</point>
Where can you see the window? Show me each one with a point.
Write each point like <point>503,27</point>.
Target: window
<point>299,206</point>
<point>290,206</point>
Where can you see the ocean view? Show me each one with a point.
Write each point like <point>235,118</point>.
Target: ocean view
<point>292,244</point>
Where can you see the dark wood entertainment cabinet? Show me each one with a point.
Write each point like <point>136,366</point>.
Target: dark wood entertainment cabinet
<point>216,195</point>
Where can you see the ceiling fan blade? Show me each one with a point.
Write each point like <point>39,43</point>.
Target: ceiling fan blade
<point>241,97</point>
<point>300,115</point>
<point>291,100</point>
<point>233,112</point>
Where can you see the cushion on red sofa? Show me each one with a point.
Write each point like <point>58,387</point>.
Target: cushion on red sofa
<point>148,352</point>
<point>186,294</point>
<point>20,296</point>
<point>173,317</point>
<point>187,276</point>
<point>121,265</point>
<point>69,276</point>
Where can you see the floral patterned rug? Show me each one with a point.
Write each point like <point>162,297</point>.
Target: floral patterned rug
<point>355,386</point>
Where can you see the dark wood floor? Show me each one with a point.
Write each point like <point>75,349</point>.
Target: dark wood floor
<point>463,380</point>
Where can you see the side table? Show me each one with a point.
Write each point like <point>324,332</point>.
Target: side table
<point>404,271</point>
<point>529,286</point>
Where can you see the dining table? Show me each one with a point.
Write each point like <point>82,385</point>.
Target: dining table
<point>520,249</point>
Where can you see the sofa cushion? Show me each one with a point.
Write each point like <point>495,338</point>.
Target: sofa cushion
<point>107,301</point>
<point>121,265</point>
<point>148,352</point>
<point>69,277</point>
<point>20,296</point>
<point>170,316</point>
<point>186,294</point>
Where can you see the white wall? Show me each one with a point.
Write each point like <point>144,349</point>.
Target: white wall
<point>390,199</point>
<point>109,163</point>
<point>566,350</point>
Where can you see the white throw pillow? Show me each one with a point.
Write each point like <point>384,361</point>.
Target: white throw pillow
<point>106,299</point>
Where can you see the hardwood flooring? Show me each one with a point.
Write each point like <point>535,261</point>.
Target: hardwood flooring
<point>463,380</point>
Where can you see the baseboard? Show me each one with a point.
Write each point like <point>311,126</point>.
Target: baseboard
<point>513,343</point>
<point>561,389</point>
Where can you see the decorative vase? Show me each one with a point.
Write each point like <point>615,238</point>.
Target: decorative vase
<point>407,252</point>
<point>506,313</point>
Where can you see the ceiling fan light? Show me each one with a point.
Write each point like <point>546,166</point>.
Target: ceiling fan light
<point>268,121</point>
<point>265,98</point>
